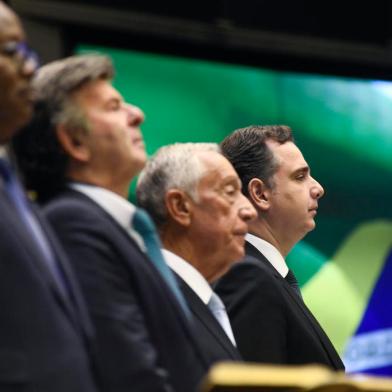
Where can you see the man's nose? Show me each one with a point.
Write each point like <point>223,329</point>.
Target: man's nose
<point>136,115</point>
<point>246,211</point>
<point>317,191</point>
<point>28,68</point>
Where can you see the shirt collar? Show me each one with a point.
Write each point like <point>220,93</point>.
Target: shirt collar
<point>192,277</point>
<point>270,253</point>
<point>120,209</point>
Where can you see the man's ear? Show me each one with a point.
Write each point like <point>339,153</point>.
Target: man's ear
<point>73,141</point>
<point>179,206</point>
<point>259,193</point>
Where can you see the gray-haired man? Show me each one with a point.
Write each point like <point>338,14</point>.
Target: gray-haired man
<point>80,154</point>
<point>194,196</point>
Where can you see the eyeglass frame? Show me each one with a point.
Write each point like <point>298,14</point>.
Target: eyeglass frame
<point>21,51</point>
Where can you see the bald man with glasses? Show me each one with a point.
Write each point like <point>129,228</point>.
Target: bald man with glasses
<point>44,327</point>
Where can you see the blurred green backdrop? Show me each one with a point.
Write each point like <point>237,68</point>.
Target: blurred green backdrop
<point>343,127</point>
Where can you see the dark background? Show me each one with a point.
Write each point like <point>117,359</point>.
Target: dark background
<point>338,38</point>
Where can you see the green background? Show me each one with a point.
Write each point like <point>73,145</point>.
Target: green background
<point>343,127</point>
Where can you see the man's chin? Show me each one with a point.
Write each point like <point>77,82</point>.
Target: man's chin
<point>311,225</point>
<point>238,253</point>
<point>140,159</point>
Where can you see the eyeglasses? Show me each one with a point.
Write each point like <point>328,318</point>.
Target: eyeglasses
<point>22,52</point>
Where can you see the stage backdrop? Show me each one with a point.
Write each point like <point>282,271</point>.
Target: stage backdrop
<point>344,128</point>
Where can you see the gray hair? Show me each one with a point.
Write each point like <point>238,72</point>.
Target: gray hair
<point>55,82</point>
<point>174,166</point>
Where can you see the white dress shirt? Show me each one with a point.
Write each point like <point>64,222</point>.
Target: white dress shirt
<point>190,275</point>
<point>120,209</point>
<point>196,281</point>
<point>270,253</point>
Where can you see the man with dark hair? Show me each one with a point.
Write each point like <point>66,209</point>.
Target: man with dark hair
<point>80,153</point>
<point>194,196</point>
<point>45,331</point>
<point>269,317</point>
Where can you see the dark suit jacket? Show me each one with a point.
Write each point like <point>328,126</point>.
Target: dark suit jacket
<point>216,345</point>
<point>144,341</point>
<point>43,335</point>
<point>270,321</point>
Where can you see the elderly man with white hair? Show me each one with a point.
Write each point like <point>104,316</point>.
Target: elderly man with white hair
<point>194,196</point>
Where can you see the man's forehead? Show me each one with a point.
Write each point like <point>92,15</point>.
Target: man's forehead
<point>10,27</point>
<point>218,168</point>
<point>212,160</point>
<point>287,155</point>
<point>100,90</point>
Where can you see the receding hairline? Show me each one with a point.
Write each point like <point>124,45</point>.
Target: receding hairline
<point>204,158</point>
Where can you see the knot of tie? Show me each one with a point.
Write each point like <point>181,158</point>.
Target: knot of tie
<point>292,281</point>
<point>143,224</point>
<point>218,309</point>
<point>215,304</point>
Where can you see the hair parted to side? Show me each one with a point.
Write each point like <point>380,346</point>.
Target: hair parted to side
<point>40,157</point>
<point>56,81</point>
<point>175,166</point>
<point>249,154</point>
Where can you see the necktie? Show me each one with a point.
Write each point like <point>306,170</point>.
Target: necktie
<point>292,281</point>
<point>143,224</point>
<point>218,309</point>
<point>18,199</point>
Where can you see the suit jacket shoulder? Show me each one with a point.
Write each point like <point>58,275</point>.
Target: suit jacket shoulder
<point>142,334</point>
<point>28,292</point>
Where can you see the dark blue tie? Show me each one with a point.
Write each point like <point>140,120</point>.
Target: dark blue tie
<point>18,199</point>
<point>292,281</point>
<point>143,224</point>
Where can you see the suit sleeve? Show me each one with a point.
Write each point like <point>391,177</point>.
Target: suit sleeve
<point>257,312</point>
<point>126,358</point>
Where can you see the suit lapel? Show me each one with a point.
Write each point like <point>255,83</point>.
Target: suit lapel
<point>299,303</point>
<point>32,254</point>
<point>146,265</point>
<point>323,338</point>
<point>74,303</point>
<point>202,313</point>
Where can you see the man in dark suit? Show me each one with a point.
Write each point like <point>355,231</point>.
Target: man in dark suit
<point>194,196</point>
<point>45,331</point>
<point>80,153</point>
<point>269,317</point>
